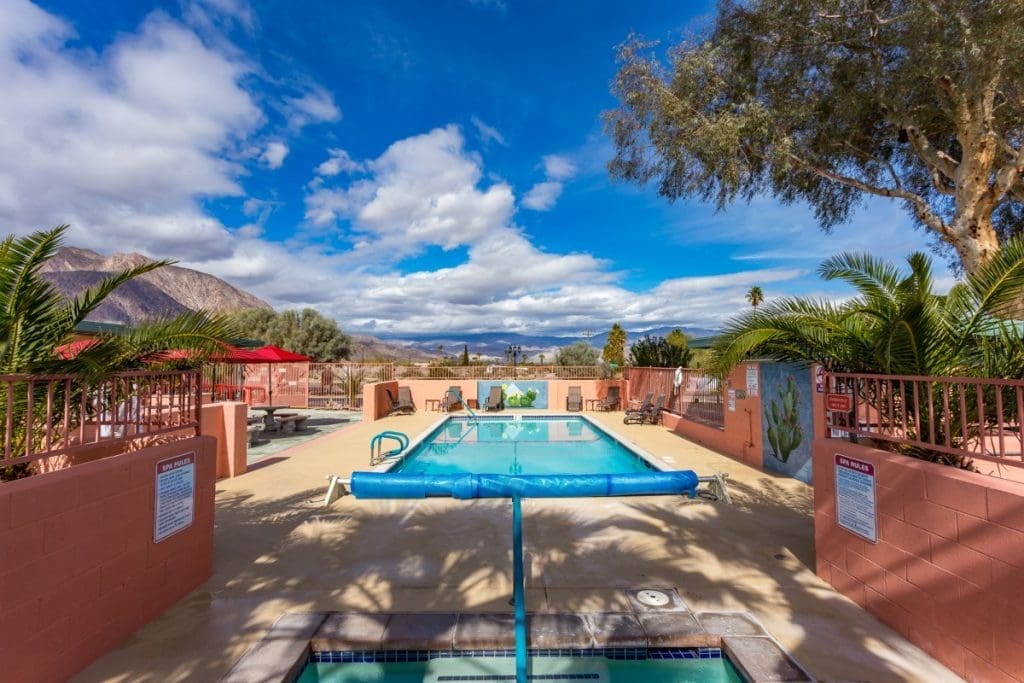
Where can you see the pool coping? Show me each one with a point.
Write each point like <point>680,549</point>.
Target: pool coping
<point>285,649</point>
<point>649,458</point>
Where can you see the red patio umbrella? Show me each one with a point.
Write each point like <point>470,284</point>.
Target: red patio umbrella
<point>271,354</point>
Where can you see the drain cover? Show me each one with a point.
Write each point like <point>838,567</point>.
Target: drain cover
<point>652,598</point>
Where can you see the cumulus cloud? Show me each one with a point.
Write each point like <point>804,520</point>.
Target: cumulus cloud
<point>315,105</point>
<point>274,154</point>
<point>123,144</point>
<point>339,161</point>
<point>423,190</point>
<point>487,133</point>
<point>544,195</point>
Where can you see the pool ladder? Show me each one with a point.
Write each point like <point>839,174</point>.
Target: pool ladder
<point>378,455</point>
<point>458,398</point>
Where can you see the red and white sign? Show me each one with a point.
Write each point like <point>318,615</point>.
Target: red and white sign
<point>855,497</point>
<point>839,403</point>
<point>175,503</point>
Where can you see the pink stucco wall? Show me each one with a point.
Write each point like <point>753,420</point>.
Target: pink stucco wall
<point>741,436</point>
<point>227,422</point>
<point>947,569</point>
<point>79,571</point>
<point>375,405</point>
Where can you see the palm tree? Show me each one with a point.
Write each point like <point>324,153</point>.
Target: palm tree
<point>755,296</point>
<point>35,319</point>
<point>896,325</point>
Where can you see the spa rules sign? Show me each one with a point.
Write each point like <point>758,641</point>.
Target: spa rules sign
<point>855,497</point>
<point>175,505</point>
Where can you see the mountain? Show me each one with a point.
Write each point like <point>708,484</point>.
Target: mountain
<point>493,344</point>
<point>167,291</point>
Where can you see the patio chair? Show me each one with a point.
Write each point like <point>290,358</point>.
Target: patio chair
<point>653,414</point>
<point>636,415</point>
<point>574,401</point>
<point>494,399</point>
<point>611,400</point>
<point>451,399</point>
<point>402,405</point>
<point>640,405</point>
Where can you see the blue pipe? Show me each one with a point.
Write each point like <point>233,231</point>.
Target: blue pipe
<point>465,486</point>
<point>519,588</point>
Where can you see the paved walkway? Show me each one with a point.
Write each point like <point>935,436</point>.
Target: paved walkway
<point>278,549</point>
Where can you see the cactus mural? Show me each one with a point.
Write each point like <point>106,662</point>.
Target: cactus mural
<point>784,430</point>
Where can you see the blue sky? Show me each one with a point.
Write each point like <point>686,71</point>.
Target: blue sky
<point>401,166</point>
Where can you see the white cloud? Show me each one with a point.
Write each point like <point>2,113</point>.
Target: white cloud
<point>208,15</point>
<point>338,162</point>
<point>273,156</point>
<point>487,133</point>
<point>558,167</point>
<point>542,196</point>
<point>122,144</point>
<point>315,105</point>
<point>422,190</point>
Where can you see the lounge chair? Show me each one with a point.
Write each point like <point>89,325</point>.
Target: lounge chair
<point>403,405</point>
<point>611,400</point>
<point>574,401</point>
<point>494,400</point>
<point>653,414</point>
<point>640,405</point>
<point>637,414</point>
<point>451,399</point>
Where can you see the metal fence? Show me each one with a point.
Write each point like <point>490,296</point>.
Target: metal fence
<point>955,416</point>
<point>700,396</point>
<point>52,415</point>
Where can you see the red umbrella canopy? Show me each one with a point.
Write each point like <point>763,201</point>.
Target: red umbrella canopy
<point>275,354</point>
<point>233,354</point>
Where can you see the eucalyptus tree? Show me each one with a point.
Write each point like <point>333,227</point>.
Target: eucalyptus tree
<point>918,101</point>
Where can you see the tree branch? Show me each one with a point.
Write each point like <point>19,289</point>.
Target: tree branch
<point>921,208</point>
<point>935,159</point>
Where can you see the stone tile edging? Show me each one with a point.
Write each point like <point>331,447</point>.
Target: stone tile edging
<point>285,649</point>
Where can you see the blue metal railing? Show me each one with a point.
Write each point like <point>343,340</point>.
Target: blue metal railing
<point>459,399</point>
<point>376,444</point>
<point>519,588</point>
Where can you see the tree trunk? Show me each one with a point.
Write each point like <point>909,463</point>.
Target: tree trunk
<point>974,239</point>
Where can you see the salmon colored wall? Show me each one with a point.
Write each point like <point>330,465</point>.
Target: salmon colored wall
<point>227,422</point>
<point>79,571</point>
<point>741,437</point>
<point>375,400</point>
<point>424,389</point>
<point>948,567</point>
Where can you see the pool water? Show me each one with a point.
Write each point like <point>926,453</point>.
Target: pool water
<point>600,669</point>
<point>546,445</point>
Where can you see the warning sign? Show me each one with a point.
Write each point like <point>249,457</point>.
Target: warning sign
<point>174,508</point>
<point>855,497</point>
<point>839,403</point>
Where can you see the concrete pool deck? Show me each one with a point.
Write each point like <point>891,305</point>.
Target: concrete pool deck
<point>277,549</point>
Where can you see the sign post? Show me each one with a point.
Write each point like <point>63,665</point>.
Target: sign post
<point>856,508</point>
<point>175,504</point>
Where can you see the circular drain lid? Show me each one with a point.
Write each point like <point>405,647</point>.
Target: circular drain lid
<point>652,598</point>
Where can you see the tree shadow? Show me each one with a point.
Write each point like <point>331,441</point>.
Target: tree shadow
<point>291,554</point>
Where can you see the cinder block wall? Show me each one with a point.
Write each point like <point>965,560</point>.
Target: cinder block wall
<point>948,567</point>
<point>79,571</point>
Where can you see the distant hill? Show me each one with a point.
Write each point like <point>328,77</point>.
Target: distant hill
<point>166,291</point>
<point>493,344</point>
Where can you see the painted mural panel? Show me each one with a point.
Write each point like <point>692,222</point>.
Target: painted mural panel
<point>517,393</point>
<point>788,419</point>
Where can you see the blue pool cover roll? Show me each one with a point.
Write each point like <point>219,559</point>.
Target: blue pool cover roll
<point>465,486</point>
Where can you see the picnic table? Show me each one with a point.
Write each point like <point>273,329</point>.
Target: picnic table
<point>269,424</point>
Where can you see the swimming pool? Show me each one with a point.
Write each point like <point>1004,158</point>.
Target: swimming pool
<point>521,445</point>
<point>610,666</point>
